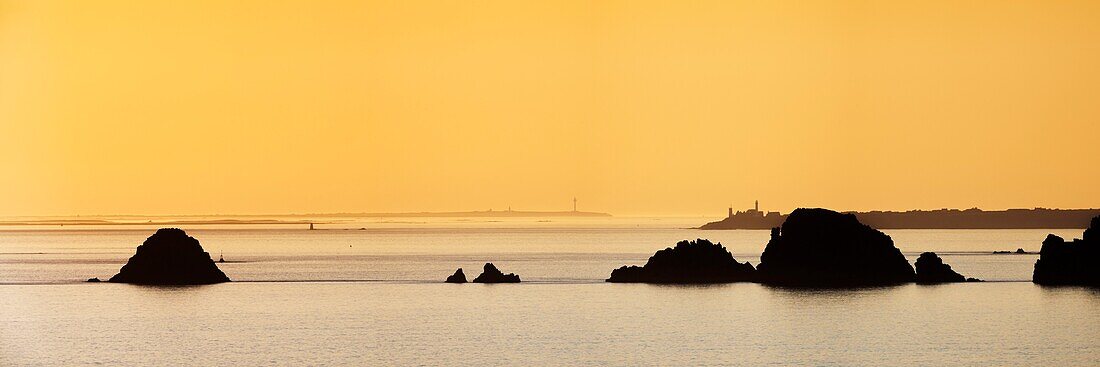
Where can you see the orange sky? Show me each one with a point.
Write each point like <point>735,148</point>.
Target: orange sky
<point>634,107</point>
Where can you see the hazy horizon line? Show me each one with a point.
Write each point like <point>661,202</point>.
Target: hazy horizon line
<point>494,210</point>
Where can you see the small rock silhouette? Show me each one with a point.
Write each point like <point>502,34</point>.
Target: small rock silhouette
<point>931,269</point>
<point>457,277</point>
<point>492,275</point>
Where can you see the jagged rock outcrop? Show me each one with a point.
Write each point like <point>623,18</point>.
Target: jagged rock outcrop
<point>1070,263</point>
<point>457,277</point>
<point>823,248</point>
<point>170,257</point>
<point>492,275</point>
<point>698,261</point>
<point>931,269</point>
<point>1092,233</point>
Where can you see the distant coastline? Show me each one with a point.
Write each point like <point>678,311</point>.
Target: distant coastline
<point>106,222</point>
<point>1038,218</point>
<point>269,219</point>
<point>468,214</point>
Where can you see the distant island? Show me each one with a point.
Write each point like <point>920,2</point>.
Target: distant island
<point>1038,218</point>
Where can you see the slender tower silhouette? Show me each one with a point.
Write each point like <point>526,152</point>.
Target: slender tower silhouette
<point>574,203</point>
<point>757,206</point>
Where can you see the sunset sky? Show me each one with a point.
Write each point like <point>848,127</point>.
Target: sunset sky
<point>634,107</point>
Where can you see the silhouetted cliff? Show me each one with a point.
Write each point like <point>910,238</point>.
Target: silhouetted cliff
<point>823,248</point>
<point>492,275</point>
<point>1070,263</point>
<point>457,277</point>
<point>170,257</point>
<point>698,261</point>
<point>931,269</point>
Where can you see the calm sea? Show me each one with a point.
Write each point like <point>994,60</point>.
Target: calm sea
<point>348,296</point>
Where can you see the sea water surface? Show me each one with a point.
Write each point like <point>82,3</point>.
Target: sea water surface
<point>349,296</point>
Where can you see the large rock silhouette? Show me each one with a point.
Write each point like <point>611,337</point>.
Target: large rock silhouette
<point>492,275</point>
<point>1070,263</point>
<point>823,248</point>
<point>170,257</point>
<point>698,261</point>
<point>931,269</point>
